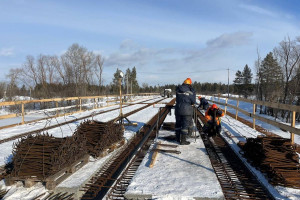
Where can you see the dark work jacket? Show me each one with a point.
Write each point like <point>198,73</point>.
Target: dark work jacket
<point>185,98</point>
<point>203,102</point>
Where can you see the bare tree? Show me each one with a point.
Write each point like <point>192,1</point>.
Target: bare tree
<point>288,55</point>
<point>29,72</point>
<point>2,89</point>
<point>99,71</point>
<point>13,76</point>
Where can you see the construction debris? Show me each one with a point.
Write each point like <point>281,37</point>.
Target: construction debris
<point>276,157</point>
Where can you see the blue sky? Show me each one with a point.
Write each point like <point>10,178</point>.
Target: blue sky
<point>167,40</point>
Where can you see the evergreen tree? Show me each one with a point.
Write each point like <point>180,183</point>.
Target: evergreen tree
<point>133,81</point>
<point>247,87</point>
<point>127,80</point>
<point>238,81</point>
<point>115,83</point>
<point>271,77</point>
<point>247,75</point>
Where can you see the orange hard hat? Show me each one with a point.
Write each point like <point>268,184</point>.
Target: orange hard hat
<point>188,81</point>
<point>199,97</point>
<point>214,106</point>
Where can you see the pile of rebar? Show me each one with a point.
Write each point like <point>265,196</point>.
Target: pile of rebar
<point>170,126</point>
<point>43,155</point>
<point>100,135</point>
<point>276,157</point>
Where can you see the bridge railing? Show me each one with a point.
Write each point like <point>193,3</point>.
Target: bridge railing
<point>77,103</point>
<point>292,108</point>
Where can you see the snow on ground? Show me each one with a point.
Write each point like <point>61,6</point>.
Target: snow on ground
<point>236,128</point>
<point>176,176</point>
<point>141,118</point>
<point>248,107</point>
<point>182,176</point>
<point>62,131</point>
<point>81,176</point>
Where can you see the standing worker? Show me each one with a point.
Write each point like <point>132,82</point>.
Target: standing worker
<point>203,103</point>
<point>213,120</point>
<point>185,99</point>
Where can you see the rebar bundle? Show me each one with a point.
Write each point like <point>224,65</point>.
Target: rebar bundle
<point>276,157</point>
<point>170,126</point>
<point>43,155</point>
<point>100,135</point>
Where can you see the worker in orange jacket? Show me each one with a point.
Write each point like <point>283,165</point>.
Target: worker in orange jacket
<point>213,120</point>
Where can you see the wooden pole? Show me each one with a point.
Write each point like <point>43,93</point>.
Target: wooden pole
<point>120,83</point>
<point>56,102</point>
<point>226,105</point>
<point>23,113</point>
<point>293,125</point>
<point>254,115</point>
<point>236,113</point>
<point>80,104</point>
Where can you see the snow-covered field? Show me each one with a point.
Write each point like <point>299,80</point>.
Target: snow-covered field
<point>170,185</point>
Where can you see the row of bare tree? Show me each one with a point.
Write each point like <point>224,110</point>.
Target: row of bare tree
<point>71,74</point>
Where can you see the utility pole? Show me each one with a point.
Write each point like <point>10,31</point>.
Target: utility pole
<point>228,83</point>
<point>127,83</point>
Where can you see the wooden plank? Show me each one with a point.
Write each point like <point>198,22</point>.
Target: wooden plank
<point>23,113</point>
<point>154,156</point>
<point>8,116</point>
<point>54,180</point>
<point>237,111</point>
<point>254,111</point>
<point>268,104</point>
<point>293,125</point>
<point>10,103</point>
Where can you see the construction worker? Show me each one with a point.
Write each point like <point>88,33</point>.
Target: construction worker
<point>203,103</point>
<point>185,99</point>
<point>213,120</point>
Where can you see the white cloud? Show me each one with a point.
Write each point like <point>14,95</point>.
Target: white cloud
<point>230,40</point>
<point>6,52</point>
<point>258,10</point>
<point>172,65</point>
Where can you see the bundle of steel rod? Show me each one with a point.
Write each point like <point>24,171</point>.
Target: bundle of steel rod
<point>100,135</point>
<point>43,155</point>
<point>276,157</point>
<point>168,126</point>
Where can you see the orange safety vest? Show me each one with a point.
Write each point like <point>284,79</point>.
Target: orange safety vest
<point>209,117</point>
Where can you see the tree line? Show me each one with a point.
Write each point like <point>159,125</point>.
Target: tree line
<point>77,72</point>
<point>277,78</point>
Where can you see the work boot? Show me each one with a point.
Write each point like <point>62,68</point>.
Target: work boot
<point>190,132</point>
<point>183,140</point>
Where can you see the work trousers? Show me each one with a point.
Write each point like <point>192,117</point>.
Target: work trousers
<point>183,124</point>
<point>209,128</point>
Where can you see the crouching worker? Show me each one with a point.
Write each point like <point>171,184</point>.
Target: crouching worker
<point>203,103</point>
<point>185,100</point>
<point>213,124</point>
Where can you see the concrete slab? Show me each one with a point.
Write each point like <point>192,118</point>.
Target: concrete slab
<point>188,175</point>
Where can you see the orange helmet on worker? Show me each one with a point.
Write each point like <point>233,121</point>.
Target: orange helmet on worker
<point>188,81</point>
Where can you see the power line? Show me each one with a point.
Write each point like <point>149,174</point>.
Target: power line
<point>187,72</point>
